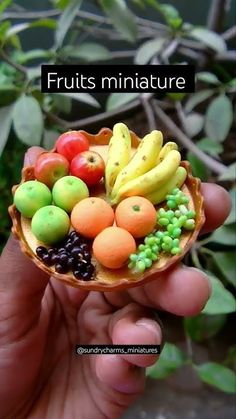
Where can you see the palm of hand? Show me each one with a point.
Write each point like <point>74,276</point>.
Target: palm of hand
<point>41,321</point>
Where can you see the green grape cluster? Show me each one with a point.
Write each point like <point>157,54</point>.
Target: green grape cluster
<point>167,240</point>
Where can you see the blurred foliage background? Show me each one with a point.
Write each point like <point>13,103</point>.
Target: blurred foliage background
<point>203,123</point>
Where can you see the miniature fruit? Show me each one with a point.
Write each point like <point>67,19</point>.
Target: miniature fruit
<point>50,224</point>
<point>142,161</point>
<point>74,255</point>
<point>118,154</point>
<point>176,181</point>
<point>71,143</point>
<point>91,215</point>
<point>50,167</point>
<point>88,166</point>
<point>30,196</point>
<point>68,191</point>
<point>152,180</point>
<point>137,215</point>
<point>113,246</point>
<point>165,150</point>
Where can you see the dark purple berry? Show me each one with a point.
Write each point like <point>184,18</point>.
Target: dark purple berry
<point>63,257</point>
<point>41,251</point>
<point>91,269</point>
<point>72,234</point>
<point>71,262</point>
<point>69,247</point>
<point>77,274</point>
<point>87,255</point>
<point>51,251</point>
<point>84,247</point>
<point>76,251</point>
<point>61,269</point>
<point>76,241</point>
<point>47,260</point>
<point>55,259</point>
<point>85,276</point>
<point>61,250</point>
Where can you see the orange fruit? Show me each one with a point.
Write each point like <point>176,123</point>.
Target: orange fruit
<point>91,215</point>
<point>137,215</point>
<point>113,246</point>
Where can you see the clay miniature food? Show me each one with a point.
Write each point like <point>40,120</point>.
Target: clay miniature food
<point>107,211</point>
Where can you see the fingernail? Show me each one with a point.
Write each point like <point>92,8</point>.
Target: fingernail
<point>202,273</point>
<point>152,326</point>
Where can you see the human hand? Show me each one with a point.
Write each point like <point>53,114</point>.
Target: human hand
<point>41,321</point>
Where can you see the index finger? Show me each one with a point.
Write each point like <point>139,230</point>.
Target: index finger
<point>217,206</point>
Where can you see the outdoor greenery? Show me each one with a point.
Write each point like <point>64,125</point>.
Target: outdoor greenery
<point>201,122</point>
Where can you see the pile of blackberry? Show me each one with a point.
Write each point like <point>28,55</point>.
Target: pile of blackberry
<point>73,254</point>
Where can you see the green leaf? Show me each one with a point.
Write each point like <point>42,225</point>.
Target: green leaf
<point>60,4</point>
<point>5,124</point>
<point>89,51</point>
<point>198,167</point>
<point>121,17</point>
<point>82,97</point>
<point>197,98</point>
<point>4,4</point>
<point>208,77</point>
<point>13,30</point>
<point>49,138</point>
<point>28,120</point>
<point>65,21</point>
<point>217,376</point>
<point>225,234</point>
<point>169,12</point>
<point>171,15</point>
<point>232,216</point>
<point>219,117</point>
<point>225,262</point>
<point>63,103</point>
<point>204,327</point>
<point>193,124</point>
<point>45,23</point>
<point>170,360</point>
<point>34,54</point>
<point>147,50</point>
<point>116,100</point>
<point>221,300</point>
<point>210,146</point>
<point>230,173</point>
<point>4,27</point>
<point>209,38</point>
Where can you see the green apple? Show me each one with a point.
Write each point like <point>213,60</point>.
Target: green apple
<point>50,224</point>
<point>30,196</point>
<point>68,191</point>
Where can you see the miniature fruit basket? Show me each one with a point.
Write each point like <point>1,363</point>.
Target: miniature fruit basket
<point>105,278</point>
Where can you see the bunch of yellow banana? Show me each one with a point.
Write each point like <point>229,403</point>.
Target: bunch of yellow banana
<point>152,172</point>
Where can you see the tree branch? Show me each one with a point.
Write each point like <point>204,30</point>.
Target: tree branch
<point>148,111</point>
<point>91,119</point>
<point>230,33</point>
<point>18,67</point>
<point>214,165</point>
<point>216,15</point>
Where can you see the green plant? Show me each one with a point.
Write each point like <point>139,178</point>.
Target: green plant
<point>203,127</point>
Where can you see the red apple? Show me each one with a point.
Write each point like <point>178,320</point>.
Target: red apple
<point>71,143</point>
<point>50,167</point>
<point>88,166</point>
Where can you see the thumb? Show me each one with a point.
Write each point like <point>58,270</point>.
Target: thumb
<point>22,284</point>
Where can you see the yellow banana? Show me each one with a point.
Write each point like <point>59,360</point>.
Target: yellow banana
<point>165,150</point>
<point>150,181</point>
<point>118,154</point>
<point>142,161</point>
<point>176,181</point>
